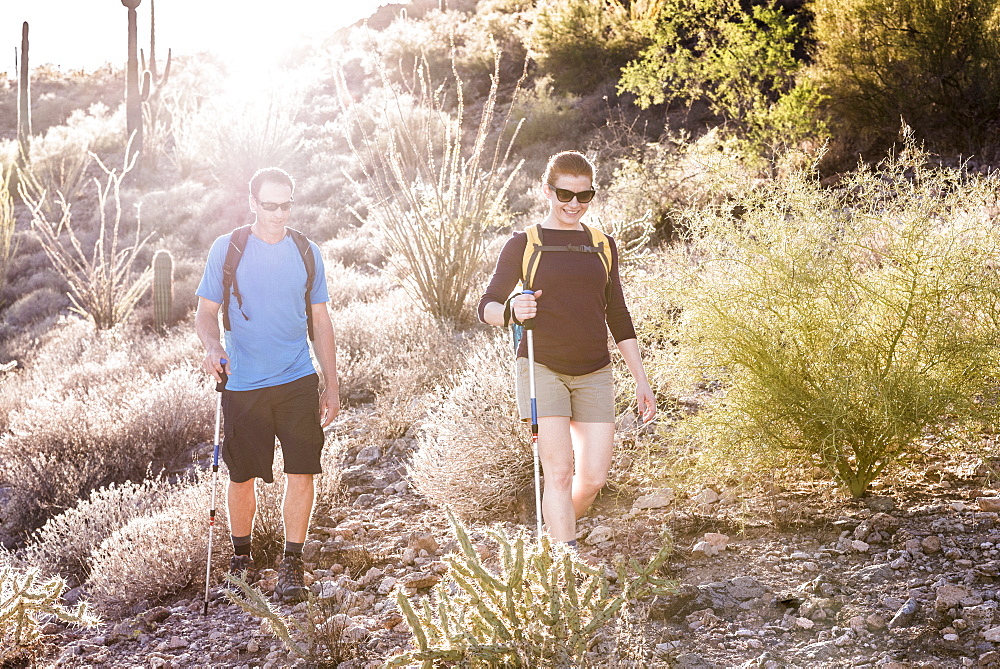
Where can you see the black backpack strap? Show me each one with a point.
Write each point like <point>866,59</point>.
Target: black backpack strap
<point>234,253</point>
<point>309,260</point>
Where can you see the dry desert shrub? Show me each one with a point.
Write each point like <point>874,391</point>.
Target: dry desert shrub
<point>102,418</point>
<point>354,284</point>
<point>154,556</point>
<point>65,543</point>
<point>390,346</point>
<point>473,455</point>
<point>60,449</point>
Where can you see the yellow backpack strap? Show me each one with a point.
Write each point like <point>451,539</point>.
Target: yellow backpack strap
<point>532,254</point>
<point>600,241</point>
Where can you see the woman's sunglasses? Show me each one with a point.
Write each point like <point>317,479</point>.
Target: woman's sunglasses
<point>583,197</point>
<point>274,206</point>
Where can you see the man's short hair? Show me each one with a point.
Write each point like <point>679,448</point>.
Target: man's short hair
<point>272,174</point>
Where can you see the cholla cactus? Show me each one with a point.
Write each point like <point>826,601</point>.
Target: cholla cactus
<point>543,606</point>
<point>23,598</point>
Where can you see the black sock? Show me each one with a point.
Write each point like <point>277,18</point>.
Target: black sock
<point>241,545</point>
<point>292,548</point>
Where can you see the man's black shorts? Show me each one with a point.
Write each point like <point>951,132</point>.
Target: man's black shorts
<point>254,418</point>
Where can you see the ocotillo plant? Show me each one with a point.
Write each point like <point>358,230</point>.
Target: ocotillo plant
<point>163,289</point>
<point>133,102</point>
<point>23,102</point>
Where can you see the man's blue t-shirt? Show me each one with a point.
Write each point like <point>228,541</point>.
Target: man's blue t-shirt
<point>272,347</point>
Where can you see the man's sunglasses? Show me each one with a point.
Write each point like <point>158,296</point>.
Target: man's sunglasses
<point>274,206</point>
<point>583,197</point>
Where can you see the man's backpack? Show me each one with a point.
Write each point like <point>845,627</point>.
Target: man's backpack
<point>534,248</point>
<point>237,243</point>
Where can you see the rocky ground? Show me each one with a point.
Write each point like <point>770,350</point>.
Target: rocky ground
<point>803,577</point>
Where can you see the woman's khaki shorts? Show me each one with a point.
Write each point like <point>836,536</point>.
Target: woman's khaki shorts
<point>585,399</point>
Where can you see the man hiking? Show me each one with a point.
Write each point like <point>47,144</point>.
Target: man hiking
<point>259,277</point>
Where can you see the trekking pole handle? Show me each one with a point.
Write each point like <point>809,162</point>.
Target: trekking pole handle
<point>530,323</point>
<point>221,385</point>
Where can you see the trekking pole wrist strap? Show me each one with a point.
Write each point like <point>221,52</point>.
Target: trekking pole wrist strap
<point>508,312</point>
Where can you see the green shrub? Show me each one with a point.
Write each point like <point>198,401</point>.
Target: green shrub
<point>932,63</point>
<point>24,599</point>
<point>547,115</point>
<point>542,605</point>
<point>474,454</point>
<point>743,63</point>
<point>581,43</point>
<point>843,326</point>
<point>430,196</point>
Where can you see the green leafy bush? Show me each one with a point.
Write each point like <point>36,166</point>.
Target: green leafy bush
<point>581,43</point>
<point>842,325</point>
<point>743,63</point>
<point>932,63</point>
<point>541,606</point>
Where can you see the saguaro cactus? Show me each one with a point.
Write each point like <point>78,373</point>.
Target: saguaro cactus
<point>133,102</point>
<point>163,289</point>
<point>23,101</point>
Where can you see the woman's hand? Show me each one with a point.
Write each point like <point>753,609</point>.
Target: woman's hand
<point>645,400</point>
<point>524,305</point>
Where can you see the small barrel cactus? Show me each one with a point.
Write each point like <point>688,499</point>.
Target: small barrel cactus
<point>163,289</point>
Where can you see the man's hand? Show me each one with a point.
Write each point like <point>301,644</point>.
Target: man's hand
<point>213,363</point>
<point>329,406</point>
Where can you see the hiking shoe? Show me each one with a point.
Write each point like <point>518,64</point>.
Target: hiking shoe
<point>291,585</point>
<point>244,567</point>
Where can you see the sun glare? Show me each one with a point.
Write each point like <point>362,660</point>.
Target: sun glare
<point>249,37</point>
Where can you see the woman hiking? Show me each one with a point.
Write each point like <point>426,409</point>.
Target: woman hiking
<point>577,298</point>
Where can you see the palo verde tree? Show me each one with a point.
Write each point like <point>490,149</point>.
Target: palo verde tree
<point>932,62</point>
<point>843,326</point>
<point>743,63</point>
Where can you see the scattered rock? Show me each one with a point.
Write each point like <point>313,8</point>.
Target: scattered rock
<point>600,534</point>
<point>655,500</point>
<point>904,616</point>
<point>706,496</point>
<point>988,503</point>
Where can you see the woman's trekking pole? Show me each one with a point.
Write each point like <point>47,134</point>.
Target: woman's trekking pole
<point>529,327</point>
<point>219,387</point>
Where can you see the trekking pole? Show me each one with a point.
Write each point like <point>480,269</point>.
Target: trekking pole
<point>219,387</point>
<point>529,328</point>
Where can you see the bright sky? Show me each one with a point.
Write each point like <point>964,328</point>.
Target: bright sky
<point>85,34</point>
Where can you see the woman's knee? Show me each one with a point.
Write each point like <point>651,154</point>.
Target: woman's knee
<point>591,483</point>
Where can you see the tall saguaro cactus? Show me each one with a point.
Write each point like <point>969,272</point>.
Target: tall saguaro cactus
<point>23,101</point>
<point>133,102</point>
<point>163,289</point>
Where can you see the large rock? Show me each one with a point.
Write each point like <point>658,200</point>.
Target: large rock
<point>950,595</point>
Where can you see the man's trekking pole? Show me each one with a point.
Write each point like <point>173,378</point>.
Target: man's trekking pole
<point>529,327</point>
<point>219,387</point>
